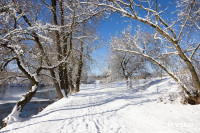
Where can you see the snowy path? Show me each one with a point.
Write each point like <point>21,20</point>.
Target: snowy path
<point>113,109</point>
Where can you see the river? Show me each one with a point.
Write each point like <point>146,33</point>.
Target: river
<point>9,95</point>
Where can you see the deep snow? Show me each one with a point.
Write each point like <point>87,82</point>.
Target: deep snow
<point>111,108</point>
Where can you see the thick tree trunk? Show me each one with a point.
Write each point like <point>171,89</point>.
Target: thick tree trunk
<point>193,72</point>
<point>60,38</point>
<point>80,66</point>
<point>58,91</point>
<point>193,98</point>
<point>80,62</point>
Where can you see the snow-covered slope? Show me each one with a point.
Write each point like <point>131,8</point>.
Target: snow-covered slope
<point>111,108</point>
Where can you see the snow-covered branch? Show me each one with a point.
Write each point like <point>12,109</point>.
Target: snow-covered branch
<point>160,65</point>
<point>194,51</point>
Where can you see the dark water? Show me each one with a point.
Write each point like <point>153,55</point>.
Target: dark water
<point>33,107</point>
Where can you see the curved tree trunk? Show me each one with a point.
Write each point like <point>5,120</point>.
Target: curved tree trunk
<point>14,115</point>
<point>17,109</point>
<point>192,98</point>
<point>193,72</point>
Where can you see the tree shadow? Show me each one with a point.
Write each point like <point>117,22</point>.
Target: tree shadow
<point>100,99</point>
<point>148,84</point>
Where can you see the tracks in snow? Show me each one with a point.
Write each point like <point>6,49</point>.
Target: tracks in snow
<point>95,109</point>
<point>99,109</point>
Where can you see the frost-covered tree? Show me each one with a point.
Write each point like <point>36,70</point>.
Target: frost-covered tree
<point>124,65</point>
<point>73,20</point>
<point>171,23</point>
<point>41,38</point>
<point>13,36</point>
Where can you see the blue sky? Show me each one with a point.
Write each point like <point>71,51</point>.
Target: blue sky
<point>107,29</point>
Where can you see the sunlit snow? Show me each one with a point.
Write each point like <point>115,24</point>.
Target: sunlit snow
<point>111,108</point>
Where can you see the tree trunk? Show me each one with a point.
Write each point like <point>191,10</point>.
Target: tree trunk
<point>14,115</point>
<point>78,81</point>
<point>80,62</point>
<point>193,72</point>
<point>72,89</point>
<point>127,82</point>
<point>58,91</point>
<point>80,66</point>
<point>193,100</point>
<point>60,38</point>
<point>130,83</point>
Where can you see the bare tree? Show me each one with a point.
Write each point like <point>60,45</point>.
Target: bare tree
<point>70,40</point>
<point>31,42</point>
<point>123,64</point>
<point>173,32</point>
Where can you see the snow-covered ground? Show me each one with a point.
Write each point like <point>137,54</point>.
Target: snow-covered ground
<point>99,108</point>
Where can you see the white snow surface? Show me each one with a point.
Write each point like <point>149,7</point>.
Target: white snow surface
<point>111,108</point>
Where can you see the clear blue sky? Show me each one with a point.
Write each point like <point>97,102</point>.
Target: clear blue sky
<point>107,29</point>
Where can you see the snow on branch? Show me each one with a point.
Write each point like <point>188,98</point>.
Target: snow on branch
<point>194,51</point>
<point>161,65</point>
